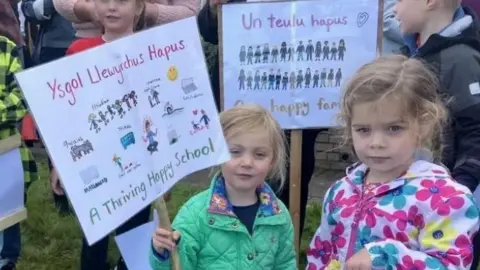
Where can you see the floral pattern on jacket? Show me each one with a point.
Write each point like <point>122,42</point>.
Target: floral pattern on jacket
<point>422,220</point>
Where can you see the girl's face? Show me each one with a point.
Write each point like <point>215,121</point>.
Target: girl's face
<point>252,160</point>
<point>118,16</point>
<point>382,138</point>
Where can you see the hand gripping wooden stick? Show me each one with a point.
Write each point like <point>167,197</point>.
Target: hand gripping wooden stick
<point>166,224</point>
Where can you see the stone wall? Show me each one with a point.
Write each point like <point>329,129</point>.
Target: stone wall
<point>328,154</point>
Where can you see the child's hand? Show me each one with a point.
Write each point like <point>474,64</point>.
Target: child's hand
<point>55,183</point>
<point>360,261</point>
<point>164,239</point>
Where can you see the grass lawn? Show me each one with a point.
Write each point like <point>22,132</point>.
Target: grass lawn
<point>52,242</point>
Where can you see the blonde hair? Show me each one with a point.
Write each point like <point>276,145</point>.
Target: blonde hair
<point>406,79</point>
<point>249,118</point>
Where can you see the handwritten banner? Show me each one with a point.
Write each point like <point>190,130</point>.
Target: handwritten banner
<point>125,121</point>
<point>293,57</point>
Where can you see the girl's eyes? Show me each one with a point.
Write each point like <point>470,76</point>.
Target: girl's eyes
<point>395,129</point>
<point>392,129</point>
<point>362,130</point>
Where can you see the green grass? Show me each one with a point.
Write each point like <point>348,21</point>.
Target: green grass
<point>52,242</point>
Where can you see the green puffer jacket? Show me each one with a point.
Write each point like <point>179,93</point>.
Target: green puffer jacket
<point>213,238</point>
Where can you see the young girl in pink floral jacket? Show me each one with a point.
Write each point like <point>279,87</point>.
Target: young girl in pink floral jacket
<point>390,211</point>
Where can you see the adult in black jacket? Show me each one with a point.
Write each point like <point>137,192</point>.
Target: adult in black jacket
<point>207,21</point>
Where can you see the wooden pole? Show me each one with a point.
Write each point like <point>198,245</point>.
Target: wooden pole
<point>295,184</point>
<point>165,223</point>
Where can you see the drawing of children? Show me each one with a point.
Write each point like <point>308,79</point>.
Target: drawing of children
<point>341,49</point>
<point>285,81</point>
<point>241,80</point>
<point>323,78</point>
<point>118,161</point>
<point>299,79</point>
<point>119,108</point>
<point>257,80</point>
<point>278,80</point>
<point>318,51</point>
<point>249,81</point>
<point>242,55</point>
<point>330,78</point>
<point>258,55</point>
<point>126,99</point>
<point>290,52</point>
<point>271,80</point>
<point>316,78</point>
<point>338,77</point>
<point>110,111</point>
<point>274,54</point>
<point>250,55</point>
<point>308,78</point>
<point>264,80</point>
<point>103,118</point>
<point>150,137</point>
<point>326,50</point>
<point>310,51</point>
<point>300,51</point>
<point>205,119</point>
<point>333,52</point>
<point>266,53</point>
<point>133,96</point>
<point>283,52</point>
<point>92,118</point>
<point>293,80</point>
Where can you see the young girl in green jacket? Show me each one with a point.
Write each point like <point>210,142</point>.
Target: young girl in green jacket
<point>237,223</point>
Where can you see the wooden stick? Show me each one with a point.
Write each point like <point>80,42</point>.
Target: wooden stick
<point>13,218</point>
<point>295,185</point>
<point>165,223</point>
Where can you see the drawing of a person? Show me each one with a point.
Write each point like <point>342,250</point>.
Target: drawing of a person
<point>326,50</point>
<point>310,51</point>
<point>299,79</point>
<point>257,80</point>
<point>92,118</point>
<point>333,52</point>
<point>283,52</point>
<point>278,80</point>
<point>196,126</point>
<point>323,78</point>
<point>150,137</point>
<point>300,51</point>
<point>341,49</point>
<point>241,80</point>
<point>266,53</point>
<point>110,111</point>
<point>316,78</point>
<point>133,97</point>
<point>285,81</point>
<point>274,54</point>
<point>119,108</point>
<point>250,55</point>
<point>258,55</point>
<point>118,161</point>
<point>155,97</point>
<point>271,80</point>
<point>242,55</point>
<point>330,78</point>
<point>205,119</point>
<point>338,77</point>
<point>318,51</point>
<point>126,99</point>
<point>308,78</point>
<point>290,52</point>
<point>103,118</point>
<point>264,80</point>
<point>249,81</point>
<point>293,80</point>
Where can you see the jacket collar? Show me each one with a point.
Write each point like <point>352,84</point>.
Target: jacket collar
<point>219,204</point>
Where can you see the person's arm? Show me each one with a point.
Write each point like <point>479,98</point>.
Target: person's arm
<point>186,223</point>
<point>462,83</point>
<point>37,10</point>
<point>391,26</point>
<point>76,10</point>
<point>444,243</point>
<point>12,106</point>
<point>208,24</point>
<point>285,258</point>
<point>177,10</point>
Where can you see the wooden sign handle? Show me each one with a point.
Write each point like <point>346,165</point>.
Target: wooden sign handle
<point>165,223</point>
<point>295,184</point>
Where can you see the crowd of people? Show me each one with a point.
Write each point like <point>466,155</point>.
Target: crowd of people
<point>392,210</point>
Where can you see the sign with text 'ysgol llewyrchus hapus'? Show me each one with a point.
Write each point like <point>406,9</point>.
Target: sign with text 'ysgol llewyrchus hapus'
<point>125,121</point>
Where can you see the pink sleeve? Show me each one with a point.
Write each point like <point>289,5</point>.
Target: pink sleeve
<point>177,10</point>
<point>65,8</point>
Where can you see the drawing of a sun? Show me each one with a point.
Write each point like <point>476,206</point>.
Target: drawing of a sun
<point>172,73</point>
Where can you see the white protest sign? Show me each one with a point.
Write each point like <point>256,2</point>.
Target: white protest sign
<point>11,193</point>
<point>125,121</point>
<point>293,57</point>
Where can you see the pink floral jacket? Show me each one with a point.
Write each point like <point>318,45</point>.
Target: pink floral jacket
<point>422,220</point>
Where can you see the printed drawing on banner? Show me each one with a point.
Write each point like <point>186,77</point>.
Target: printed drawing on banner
<point>124,168</point>
<point>127,139</point>
<point>153,88</point>
<point>107,110</point>
<point>149,135</point>
<point>172,135</point>
<point>202,123</point>
<point>78,148</point>
<point>89,175</point>
<point>190,89</point>
<point>170,110</point>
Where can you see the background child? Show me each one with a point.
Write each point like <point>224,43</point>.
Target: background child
<point>121,21</point>
<point>390,211</point>
<point>238,223</point>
